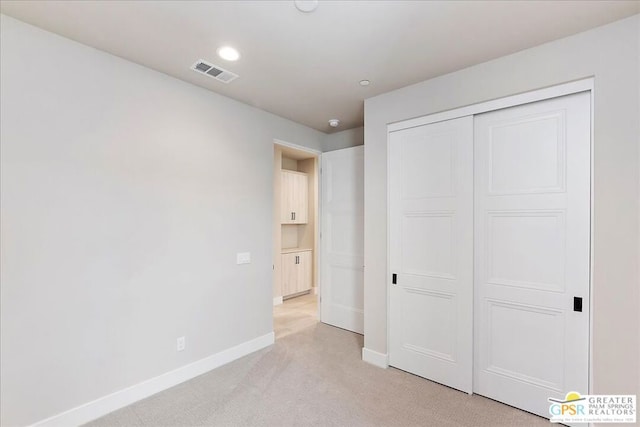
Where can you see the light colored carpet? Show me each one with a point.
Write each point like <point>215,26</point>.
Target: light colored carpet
<point>314,377</point>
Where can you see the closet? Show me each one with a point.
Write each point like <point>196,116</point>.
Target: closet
<point>295,222</point>
<point>489,235</point>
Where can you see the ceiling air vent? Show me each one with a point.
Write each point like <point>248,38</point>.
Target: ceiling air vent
<point>214,71</point>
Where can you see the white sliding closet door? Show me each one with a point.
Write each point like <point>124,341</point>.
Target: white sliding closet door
<point>532,204</point>
<point>342,239</point>
<point>431,251</point>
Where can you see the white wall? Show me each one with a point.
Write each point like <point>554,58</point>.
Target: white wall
<point>611,54</point>
<point>344,139</point>
<point>125,197</point>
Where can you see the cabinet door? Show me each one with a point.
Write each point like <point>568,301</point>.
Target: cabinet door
<point>305,270</point>
<point>294,198</point>
<point>286,198</point>
<point>289,274</point>
<point>300,200</point>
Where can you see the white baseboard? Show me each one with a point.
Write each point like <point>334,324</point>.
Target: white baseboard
<point>277,301</point>
<point>378,359</point>
<point>102,406</point>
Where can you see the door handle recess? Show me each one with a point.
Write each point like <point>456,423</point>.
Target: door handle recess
<point>577,304</point>
<point>394,279</point>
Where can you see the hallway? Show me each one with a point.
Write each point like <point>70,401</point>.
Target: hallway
<point>295,314</point>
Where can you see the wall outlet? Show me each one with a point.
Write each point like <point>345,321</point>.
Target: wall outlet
<point>181,344</point>
<point>243,258</point>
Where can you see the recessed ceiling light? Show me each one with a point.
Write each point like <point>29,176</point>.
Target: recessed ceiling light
<point>365,82</point>
<point>334,123</point>
<point>306,5</point>
<point>228,53</point>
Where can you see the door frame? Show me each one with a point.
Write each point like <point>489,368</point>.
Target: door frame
<point>569,88</point>
<point>318,156</point>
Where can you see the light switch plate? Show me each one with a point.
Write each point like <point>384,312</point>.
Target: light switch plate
<point>243,258</point>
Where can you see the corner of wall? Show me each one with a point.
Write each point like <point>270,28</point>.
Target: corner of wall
<point>373,357</point>
<point>344,139</point>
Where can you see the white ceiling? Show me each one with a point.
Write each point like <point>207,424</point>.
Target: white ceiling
<point>306,67</point>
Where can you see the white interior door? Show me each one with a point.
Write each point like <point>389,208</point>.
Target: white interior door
<point>532,204</point>
<point>342,239</point>
<point>431,251</point>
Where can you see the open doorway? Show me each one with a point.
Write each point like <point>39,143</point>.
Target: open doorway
<point>295,238</point>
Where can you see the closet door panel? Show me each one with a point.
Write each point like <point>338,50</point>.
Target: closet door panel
<point>532,225</point>
<point>431,258</point>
